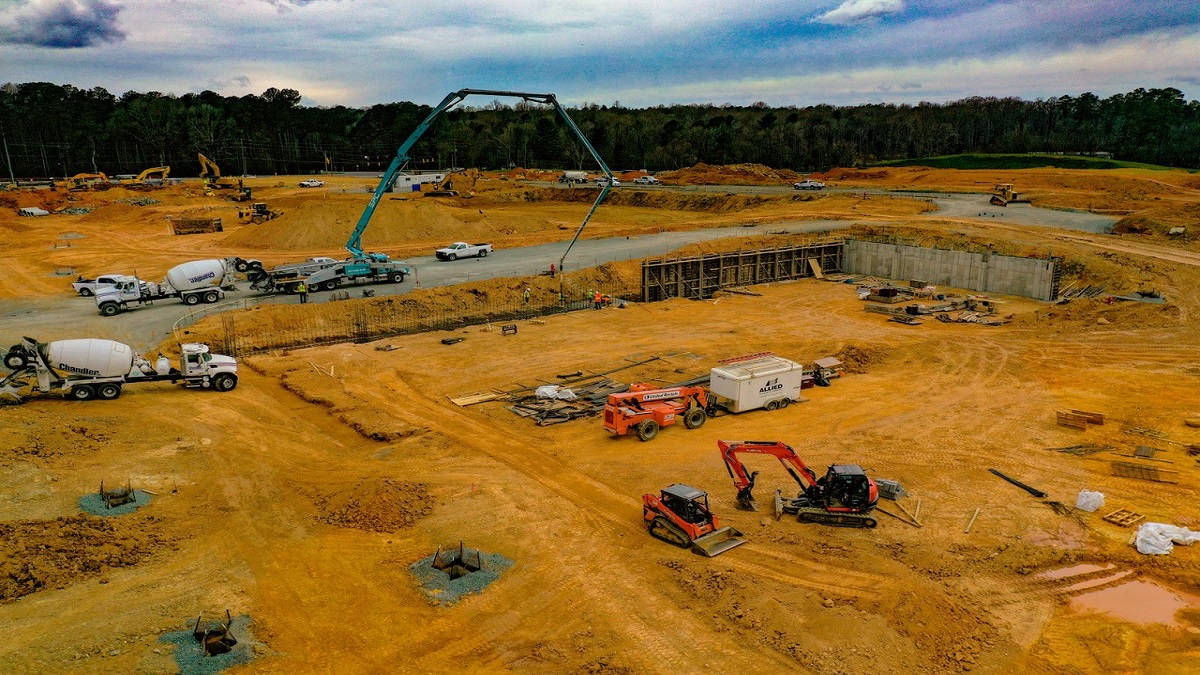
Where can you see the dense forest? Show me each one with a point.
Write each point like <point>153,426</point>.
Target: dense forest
<point>60,130</point>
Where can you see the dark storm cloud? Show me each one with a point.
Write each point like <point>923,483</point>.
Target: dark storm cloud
<point>62,24</point>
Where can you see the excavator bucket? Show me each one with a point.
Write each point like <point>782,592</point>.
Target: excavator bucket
<point>717,542</point>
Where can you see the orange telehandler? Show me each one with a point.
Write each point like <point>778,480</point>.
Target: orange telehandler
<point>680,516</point>
<point>844,497</point>
<point>645,409</point>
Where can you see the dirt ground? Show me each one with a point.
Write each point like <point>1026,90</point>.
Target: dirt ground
<point>300,498</point>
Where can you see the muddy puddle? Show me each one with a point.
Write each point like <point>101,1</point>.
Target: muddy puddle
<point>1140,601</point>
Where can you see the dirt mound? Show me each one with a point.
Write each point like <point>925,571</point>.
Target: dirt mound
<point>376,505</point>
<point>119,212</point>
<point>1096,312</point>
<point>852,174</point>
<point>703,203</point>
<point>730,174</point>
<point>858,359</point>
<point>39,554</point>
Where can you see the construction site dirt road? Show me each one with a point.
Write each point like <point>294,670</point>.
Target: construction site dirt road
<point>300,499</point>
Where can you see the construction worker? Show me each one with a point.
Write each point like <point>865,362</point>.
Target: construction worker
<point>303,291</point>
<point>597,300</point>
<point>552,271</point>
<point>526,295</point>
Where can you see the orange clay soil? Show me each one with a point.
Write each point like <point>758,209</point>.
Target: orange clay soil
<point>301,497</point>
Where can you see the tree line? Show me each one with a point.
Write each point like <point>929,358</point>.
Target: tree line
<point>60,130</point>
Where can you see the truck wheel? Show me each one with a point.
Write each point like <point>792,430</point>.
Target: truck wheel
<point>772,405</point>
<point>647,430</point>
<point>398,277</point>
<point>451,257</point>
<point>110,309</point>
<point>241,265</point>
<point>224,382</point>
<point>85,292</point>
<point>211,297</point>
<point>15,360</point>
<point>694,418</point>
<point>108,392</point>
<point>329,285</point>
<point>191,299</point>
<point>483,254</point>
<point>83,393</point>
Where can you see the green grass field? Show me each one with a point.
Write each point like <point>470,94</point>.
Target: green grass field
<point>974,161</point>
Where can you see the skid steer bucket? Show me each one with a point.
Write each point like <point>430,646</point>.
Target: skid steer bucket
<point>717,542</point>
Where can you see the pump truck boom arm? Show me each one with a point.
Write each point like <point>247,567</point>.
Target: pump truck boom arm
<point>354,244</point>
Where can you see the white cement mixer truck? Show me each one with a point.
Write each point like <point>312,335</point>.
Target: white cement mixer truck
<point>92,368</point>
<point>192,282</point>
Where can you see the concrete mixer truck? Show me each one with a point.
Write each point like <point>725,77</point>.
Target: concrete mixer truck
<point>192,282</point>
<point>92,368</point>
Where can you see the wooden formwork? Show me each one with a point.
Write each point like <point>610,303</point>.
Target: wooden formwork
<point>701,276</point>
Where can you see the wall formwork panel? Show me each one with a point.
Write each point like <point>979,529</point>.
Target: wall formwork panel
<point>701,276</point>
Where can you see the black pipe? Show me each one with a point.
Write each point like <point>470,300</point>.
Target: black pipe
<point>1031,490</point>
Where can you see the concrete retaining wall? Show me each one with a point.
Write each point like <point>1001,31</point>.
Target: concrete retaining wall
<point>984,272</point>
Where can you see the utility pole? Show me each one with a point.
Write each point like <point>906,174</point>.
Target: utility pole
<point>8,160</point>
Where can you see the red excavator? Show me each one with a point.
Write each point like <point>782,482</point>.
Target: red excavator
<point>680,516</point>
<point>646,409</point>
<point>844,497</point>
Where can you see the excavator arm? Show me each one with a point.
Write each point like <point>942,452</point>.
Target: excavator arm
<point>354,244</point>
<point>744,481</point>
<point>208,166</point>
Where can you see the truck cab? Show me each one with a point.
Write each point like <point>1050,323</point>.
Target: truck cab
<point>202,368</point>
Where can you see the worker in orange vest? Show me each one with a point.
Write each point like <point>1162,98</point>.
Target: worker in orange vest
<point>597,300</point>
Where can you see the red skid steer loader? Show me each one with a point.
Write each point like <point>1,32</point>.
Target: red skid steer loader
<point>680,516</point>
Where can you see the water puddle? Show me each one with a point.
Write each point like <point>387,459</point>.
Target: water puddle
<point>1074,571</point>
<point>1138,601</point>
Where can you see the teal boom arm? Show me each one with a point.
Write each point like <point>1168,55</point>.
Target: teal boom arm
<point>354,244</point>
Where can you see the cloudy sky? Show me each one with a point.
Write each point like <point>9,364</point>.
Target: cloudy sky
<point>638,52</point>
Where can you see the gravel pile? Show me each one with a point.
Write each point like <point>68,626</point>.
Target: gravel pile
<point>77,210</point>
<point>190,657</point>
<point>91,503</point>
<point>441,590</point>
<point>138,201</point>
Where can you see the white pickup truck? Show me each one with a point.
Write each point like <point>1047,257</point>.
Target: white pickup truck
<point>87,287</point>
<point>460,249</point>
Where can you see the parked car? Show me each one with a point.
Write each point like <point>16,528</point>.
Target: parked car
<point>312,182</point>
<point>809,184</point>
<point>647,180</point>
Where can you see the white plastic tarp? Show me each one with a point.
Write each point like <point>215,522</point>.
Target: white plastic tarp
<point>555,391</point>
<point>1159,538</point>
<point>1089,501</point>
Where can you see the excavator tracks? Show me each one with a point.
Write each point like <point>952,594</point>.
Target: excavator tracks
<point>661,528</point>
<point>823,517</point>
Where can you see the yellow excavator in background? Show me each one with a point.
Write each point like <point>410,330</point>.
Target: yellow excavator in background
<point>144,177</point>
<point>87,181</point>
<point>210,175</point>
<point>453,182</point>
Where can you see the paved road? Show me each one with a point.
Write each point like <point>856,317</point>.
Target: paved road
<point>64,317</point>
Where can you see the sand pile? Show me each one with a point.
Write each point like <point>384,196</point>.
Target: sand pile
<point>1098,314</point>
<point>730,174</point>
<point>40,554</point>
<point>376,505</point>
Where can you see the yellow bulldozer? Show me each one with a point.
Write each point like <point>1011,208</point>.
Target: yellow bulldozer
<point>1003,195</point>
